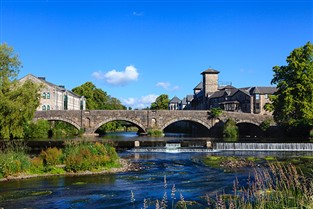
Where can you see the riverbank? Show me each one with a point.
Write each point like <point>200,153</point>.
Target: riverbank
<point>126,166</point>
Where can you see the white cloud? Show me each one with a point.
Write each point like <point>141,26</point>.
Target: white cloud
<point>140,103</point>
<point>118,78</point>
<point>138,14</point>
<point>167,86</point>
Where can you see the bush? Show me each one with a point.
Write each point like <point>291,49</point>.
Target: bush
<point>13,160</point>
<point>230,130</point>
<point>62,129</point>
<point>38,130</point>
<point>51,156</point>
<point>216,112</point>
<point>81,156</point>
<point>155,132</point>
<point>265,124</point>
<point>37,165</point>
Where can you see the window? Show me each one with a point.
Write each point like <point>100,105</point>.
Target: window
<point>65,102</point>
<point>48,95</point>
<point>257,96</point>
<point>43,107</point>
<point>266,96</point>
<point>48,107</point>
<point>44,95</point>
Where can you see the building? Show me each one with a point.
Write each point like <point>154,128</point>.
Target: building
<point>174,104</point>
<point>209,94</point>
<point>54,97</point>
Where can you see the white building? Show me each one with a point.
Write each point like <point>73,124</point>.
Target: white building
<point>54,97</point>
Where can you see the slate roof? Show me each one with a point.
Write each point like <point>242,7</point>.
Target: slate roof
<point>184,101</point>
<point>228,87</point>
<point>189,98</point>
<point>221,93</point>
<point>199,86</point>
<point>59,88</point>
<point>264,90</point>
<point>210,71</point>
<point>175,99</point>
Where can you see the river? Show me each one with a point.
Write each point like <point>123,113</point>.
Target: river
<point>186,171</point>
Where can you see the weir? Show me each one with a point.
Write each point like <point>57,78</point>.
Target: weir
<point>175,147</point>
<point>263,146</point>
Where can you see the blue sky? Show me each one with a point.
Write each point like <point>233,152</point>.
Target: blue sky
<point>136,50</point>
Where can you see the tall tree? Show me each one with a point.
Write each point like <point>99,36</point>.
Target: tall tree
<point>97,99</point>
<point>293,101</point>
<point>18,100</point>
<point>161,103</point>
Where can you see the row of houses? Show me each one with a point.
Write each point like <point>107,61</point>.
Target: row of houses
<point>56,97</point>
<point>209,94</point>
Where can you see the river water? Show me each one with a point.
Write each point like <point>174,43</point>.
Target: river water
<point>186,171</point>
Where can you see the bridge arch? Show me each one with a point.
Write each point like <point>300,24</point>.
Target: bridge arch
<point>169,122</point>
<point>60,119</point>
<point>247,121</point>
<point>107,120</point>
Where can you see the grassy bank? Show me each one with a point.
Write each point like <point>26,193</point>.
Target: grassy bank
<point>77,156</point>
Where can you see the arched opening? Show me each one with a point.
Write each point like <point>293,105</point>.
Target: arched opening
<point>119,128</point>
<point>186,128</point>
<point>53,128</point>
<point>249,130</point>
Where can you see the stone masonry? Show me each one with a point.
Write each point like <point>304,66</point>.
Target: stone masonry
<point>91,120</point>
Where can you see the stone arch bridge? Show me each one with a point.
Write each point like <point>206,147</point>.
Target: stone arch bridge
<point>91,120</point>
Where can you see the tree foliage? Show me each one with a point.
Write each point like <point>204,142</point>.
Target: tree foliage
<point>18,100</point>
<point>97,99</point>
<point>293,101</point>
<point>230,130</point>
<point>161,103</point>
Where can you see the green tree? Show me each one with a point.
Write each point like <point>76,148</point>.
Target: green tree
<point>293,101</point>
<point>230,130</point>
<point>18,101</point>
<point>161,103</point>
<point>97,99</point>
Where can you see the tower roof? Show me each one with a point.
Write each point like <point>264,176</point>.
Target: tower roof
<point>210,71</point>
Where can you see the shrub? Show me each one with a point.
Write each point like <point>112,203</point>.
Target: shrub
<point>63,130</point>
<point>51,156</point>
<point>155,132</point>
<point>265,124</point>
<point>38,130</point>
<point>216,112</point>
<point>13,160</point>
<point>230,130</point>
<point>81,156</point>
<point>37,165</point>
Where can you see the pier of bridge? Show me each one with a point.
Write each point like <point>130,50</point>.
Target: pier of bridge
<point>91,120</point>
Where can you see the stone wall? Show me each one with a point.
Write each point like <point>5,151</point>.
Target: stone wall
<point>91,120</point>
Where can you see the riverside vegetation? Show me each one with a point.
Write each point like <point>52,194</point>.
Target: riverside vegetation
<point>274,185</point>
<point>77,156</point>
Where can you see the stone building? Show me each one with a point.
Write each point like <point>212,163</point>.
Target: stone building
<point>174,104</point>
<point>54,97</point>
<point>209,94</point>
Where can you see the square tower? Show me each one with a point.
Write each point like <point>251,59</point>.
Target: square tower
<point>210,81</point>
